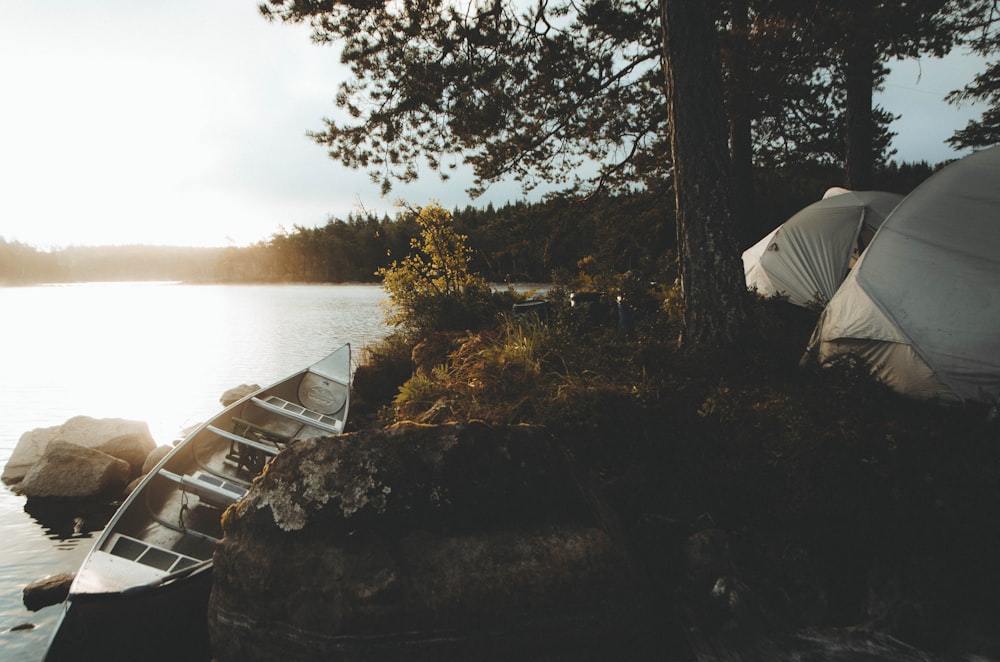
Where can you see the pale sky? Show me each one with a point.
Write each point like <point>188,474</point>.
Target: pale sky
<point>184,123</point>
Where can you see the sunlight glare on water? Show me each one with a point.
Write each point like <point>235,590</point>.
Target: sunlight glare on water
<point>164,353</point>
<point>161,353</point>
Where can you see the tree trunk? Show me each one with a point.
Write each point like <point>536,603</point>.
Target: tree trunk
<point>744,214</point>
<point>860,79</point>
<point>740,131</point>
<point>711,277</point>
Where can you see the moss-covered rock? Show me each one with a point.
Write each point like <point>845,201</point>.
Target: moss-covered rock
<point>425,542</point>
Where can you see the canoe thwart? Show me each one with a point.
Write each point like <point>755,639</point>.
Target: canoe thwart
<point>270,449</point>
<point>246,453</point>
<point>242,426</point>
<point>251,453</point>
<point>274,404</point>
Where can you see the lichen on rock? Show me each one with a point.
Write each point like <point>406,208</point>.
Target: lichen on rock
<point>431,542</point>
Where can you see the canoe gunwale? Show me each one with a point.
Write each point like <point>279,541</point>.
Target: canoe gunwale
<point>137,506</point>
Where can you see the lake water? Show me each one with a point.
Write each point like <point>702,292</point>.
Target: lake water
<point>162,353</point>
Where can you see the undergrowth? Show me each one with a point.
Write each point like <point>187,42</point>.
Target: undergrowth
<point>824,461</point>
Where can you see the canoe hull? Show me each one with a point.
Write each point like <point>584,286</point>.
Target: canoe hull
<point>145,584</point>
<point>164,623</point>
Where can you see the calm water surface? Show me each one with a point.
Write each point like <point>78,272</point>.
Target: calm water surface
<point>162,353</point>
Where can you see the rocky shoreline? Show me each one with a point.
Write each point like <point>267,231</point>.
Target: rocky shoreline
<point>467,540</point>
<point>84,458</point>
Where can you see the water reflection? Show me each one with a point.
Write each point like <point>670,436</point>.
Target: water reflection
<point>68,523</point>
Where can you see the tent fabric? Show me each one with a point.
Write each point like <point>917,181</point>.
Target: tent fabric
<point>807,256</point>
<point>835,190</point>
<point>922,305</point>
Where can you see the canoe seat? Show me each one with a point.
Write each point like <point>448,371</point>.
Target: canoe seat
<point>322,393</point>
<point>314,419</point>
<point>209,489</point>
<point>148,554</point>
<point>250,444</point>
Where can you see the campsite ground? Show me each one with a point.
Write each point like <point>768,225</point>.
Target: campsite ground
<point>826,499</point>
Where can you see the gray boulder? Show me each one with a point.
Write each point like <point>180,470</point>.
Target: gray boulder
<point>134,483</point>
<point>425,542</point>
<point>67,470</point>
<point>152,459</point>
<point>48,591</point>
<point>127,440</point>
<point>155,456</point>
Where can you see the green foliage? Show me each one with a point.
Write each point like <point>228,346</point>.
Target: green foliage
<point>825,462</point>
<point>555,369</point>
<point>496,85</point>
<point>20,263</point>
<point>432,288</point>
<point>533,94</point>
<point>608,235</point>
<point>384,366</point>
<point>820,479</point>
<point>985,90</point>
<point>423,397</point>
<point>570,372</point>
<point>503,375</point>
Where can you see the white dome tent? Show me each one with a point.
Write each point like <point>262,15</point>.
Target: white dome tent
<point>922,305</point>
<point>806,257</point>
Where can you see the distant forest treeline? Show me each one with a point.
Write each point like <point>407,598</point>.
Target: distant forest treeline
<point>527,242</point>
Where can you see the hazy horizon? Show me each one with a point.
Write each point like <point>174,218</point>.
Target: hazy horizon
<point>185,125</point>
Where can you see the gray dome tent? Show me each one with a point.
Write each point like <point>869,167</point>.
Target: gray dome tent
<point>806,257</point>
<point>922,305</point>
